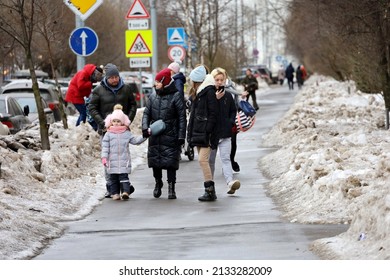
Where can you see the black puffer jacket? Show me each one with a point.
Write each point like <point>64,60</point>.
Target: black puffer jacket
<point>227,115</point>
<point>203,118</point>
<point>104,98</point>
<point>168,105</point>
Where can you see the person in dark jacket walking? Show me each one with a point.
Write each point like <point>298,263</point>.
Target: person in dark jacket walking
<point>80,87</point>
<point>290,76</point>
<point>226,121</point>
<point>166,104</point>
<point>202,125</point>
<point>251,85</point>
<point>111,91</point>
<point>116,153</point>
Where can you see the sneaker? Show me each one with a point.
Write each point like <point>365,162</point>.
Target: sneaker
<point>116,197</point>
<point>125,196</point>
<point>233,186</point>
<point>107,195</point>
<point>235,166</point>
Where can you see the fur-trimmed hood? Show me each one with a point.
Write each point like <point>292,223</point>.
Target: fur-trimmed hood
<point>208,81</point>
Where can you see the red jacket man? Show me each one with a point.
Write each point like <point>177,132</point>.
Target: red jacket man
<point>81,86</point>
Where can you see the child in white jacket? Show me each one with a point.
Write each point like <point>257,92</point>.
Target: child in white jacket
<point>116,152</point>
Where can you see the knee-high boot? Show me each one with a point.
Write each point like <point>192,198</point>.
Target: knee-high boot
<point>171,190</point>
<point>209,194</point>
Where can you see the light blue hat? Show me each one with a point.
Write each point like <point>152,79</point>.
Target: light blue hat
<point>198,74</point>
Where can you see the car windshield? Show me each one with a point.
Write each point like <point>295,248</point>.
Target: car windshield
<point>23,101</point>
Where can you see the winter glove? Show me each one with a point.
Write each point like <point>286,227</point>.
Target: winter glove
<point>145,133</point>
<point>181,142</point>
<point>104,161</point>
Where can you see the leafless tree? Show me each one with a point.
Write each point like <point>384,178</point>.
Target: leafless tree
<point>18,20</point>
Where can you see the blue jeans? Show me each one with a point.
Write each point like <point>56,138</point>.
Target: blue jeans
<point>82,108</point>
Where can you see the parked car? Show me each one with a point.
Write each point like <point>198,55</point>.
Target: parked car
<point>146,83</point>
<point>12,115</point>
<point>49,93</point>
<point>64,84</point>
<point>28,99</point>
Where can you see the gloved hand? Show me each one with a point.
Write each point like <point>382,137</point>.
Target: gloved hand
<point>181,142</point>
<point>145,133</point>
<point>104,161</point>
<point>188,103</point>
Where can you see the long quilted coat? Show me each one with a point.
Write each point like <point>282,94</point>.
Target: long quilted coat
<point>168,105</point>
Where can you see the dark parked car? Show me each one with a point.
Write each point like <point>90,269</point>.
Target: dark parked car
<point>12,115</point>
<point>48,92</point>
<point>28,99</point>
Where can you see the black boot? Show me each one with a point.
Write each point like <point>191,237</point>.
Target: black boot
<point>157,188</point>
<point>108,192</point>
<point>209,194</point>
<point>171,190</point>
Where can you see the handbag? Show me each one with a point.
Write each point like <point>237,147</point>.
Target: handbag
<point>244,122</point>
<point>157,127</point>
<point>247,108</point>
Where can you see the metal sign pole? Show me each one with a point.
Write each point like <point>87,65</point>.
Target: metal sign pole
<point>80,59</point>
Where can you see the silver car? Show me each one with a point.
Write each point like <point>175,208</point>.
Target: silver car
<point>27,99</point>
<point>12,115</point>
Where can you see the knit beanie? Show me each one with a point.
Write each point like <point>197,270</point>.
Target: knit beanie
<point>198,74</point>
<point>164,77</point>
<point>175,67</point>
<point>111,70</point>
<point>117,114</point>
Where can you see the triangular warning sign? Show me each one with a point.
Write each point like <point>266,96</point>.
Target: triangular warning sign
<point>176,37</point>
<point>137,10</point>
<point>139,46</point>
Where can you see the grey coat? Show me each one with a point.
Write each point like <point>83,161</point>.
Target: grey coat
<point>115,147</point>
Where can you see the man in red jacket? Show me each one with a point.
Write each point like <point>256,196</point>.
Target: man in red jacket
<point>80,87</point>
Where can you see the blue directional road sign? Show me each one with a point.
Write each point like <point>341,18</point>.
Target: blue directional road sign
<point>83,41</point>
<point>176,36</point>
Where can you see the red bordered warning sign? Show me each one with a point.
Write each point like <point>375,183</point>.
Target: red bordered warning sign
<point>137,10</point>
<point>139,46</point>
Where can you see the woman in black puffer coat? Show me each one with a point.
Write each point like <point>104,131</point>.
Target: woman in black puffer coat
<point>164,149</point>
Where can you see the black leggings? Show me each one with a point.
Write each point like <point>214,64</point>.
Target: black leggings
<point>171,173</point>
<point>234,147</point>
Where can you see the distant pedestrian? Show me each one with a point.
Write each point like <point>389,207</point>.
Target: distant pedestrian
<point>251,85</point>
<point>281,75</point>
<point>290,76</point>
<point>164,149</point>
<point>80,87</point>
<point>111,91</point>
<point>202,125</point>
<point>301,75</point>
<point>116,153</point>
<point>178,77</point>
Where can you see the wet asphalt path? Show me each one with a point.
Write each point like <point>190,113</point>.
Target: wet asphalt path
<point>244,226</point>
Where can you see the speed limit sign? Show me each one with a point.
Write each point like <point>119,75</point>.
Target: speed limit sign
<point>176,53</point>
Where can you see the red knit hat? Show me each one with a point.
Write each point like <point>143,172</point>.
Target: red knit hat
<point>164,77</point>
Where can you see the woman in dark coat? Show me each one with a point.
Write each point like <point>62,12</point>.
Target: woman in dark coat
<point>202,132</point>
<point>164,149</point>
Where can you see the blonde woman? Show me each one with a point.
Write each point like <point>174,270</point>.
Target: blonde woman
<point>226,121</point>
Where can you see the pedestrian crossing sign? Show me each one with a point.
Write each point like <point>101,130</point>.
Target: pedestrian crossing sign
<point>139,43</point>
<point>176,36</point>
